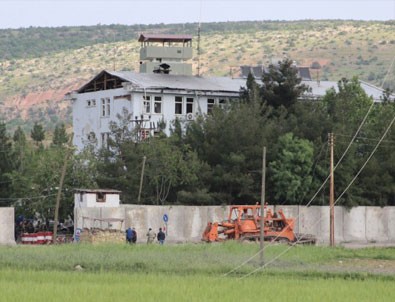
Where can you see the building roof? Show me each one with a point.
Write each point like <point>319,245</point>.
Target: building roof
<point>151,81</point>
<point>111,191</point>
<point>318,89</point>
<point>164,38</point>
<point>180,82</point>
<point>259,70</point>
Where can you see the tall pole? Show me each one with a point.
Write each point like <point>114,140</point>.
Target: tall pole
<point>262,225</point>
<point>331,196</point>
<point>141,179</point>
<point>62,176</point>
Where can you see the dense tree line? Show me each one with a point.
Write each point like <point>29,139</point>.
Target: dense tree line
<point>217,159</point>
<point>30,172</point>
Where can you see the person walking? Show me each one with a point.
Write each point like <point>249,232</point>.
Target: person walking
<point>150,236</point>
<point>134,235</point>
<point>129,235</point>
<point>161,236</point>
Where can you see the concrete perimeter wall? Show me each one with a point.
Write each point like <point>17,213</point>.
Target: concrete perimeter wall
<point>7,230</point>
<point>187,223</point>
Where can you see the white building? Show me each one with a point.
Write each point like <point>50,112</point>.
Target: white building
<point>163,91</point>
<point>149,98</point>
<point>96,198</point>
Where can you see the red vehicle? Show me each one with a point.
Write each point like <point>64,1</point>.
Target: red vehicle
<point>243,223</point>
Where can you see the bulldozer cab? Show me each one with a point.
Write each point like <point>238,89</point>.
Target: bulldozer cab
<point>243,213</point>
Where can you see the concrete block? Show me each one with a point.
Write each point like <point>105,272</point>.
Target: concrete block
<point>390,212</point>
<point>376,224</point>
<point>83,218</point>
<point>354,224</point>
<point>198,225</point>
<point>115,212</point>
<point>176,224</point>
<point>7,226</point>
<point>217,213</point>
<point>136,217</point>
<point>310,221</point>
<point>290,212</point>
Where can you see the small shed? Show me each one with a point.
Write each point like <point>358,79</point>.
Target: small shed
<point>96,198</point>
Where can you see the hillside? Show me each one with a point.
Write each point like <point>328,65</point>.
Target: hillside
<point>39,65</point>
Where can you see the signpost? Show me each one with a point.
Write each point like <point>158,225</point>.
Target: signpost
<point>165,219</point>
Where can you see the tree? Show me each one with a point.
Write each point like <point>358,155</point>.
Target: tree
<point>37,133</point>
<point>19,136</point>
<point>282,85</point>
<point>169,168</point>
<point>170,164</point>
<point>20,149</point>
<point>59,136</point>
<point>230,143</point>
<point>36,182</point>
<point>346,109</point>
<point>6,161</point>
<point>252,91</point>
<point>290,171</point>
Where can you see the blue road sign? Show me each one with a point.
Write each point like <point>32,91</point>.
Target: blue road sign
<point>165,218</point>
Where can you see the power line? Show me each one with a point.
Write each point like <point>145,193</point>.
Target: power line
<point>367,138</point>
<point>320,188</point>
<point>317,192</point>
<point>337,200</point>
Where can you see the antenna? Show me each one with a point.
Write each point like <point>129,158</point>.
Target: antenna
<point>198,41</point>
<point>115,51</point>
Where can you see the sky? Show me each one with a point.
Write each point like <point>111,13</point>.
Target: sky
<point>45,13</point>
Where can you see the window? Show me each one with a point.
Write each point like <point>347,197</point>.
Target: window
<point>104,139</point>
<point>178,105</point>
<point>144,134</point>
<point>147,104</point>
<point>91,137</point>
<point>108,107</point>
<point>190,105</point>
<point>100,197</point>
<point>91,103</point>
<point>223,103</point>
<point>105,107</point>
<point>210,105</point>
<point>158,104</point>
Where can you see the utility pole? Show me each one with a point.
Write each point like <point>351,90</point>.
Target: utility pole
<point>331,195</point>
<point>68,151</point>
<point>141,179</point>
<point>262,224</point>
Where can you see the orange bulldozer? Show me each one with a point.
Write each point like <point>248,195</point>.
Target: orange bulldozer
<point>243,223</point>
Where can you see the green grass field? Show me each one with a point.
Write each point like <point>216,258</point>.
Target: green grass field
<point>194,272</point>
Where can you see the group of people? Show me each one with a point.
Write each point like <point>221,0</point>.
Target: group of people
<point>131,236</point>
<point>151,236</point>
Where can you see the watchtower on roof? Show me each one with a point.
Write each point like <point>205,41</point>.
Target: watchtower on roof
<point>165,54</point>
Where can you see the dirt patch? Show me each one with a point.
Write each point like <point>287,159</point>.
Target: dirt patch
<point>374,266</point>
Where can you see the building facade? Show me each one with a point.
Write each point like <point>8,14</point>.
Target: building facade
<point>149,99</point>
<point>163,91</point>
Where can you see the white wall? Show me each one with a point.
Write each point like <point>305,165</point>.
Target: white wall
<point>88,119</point>
<point>89,199</point>
<point>7,226</point>
<point>187,223</point>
